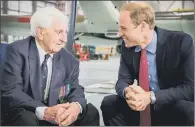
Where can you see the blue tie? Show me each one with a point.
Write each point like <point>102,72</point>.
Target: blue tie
<point>44,72</point>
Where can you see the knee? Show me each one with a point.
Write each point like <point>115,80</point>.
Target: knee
<point>185,107</point>
<point>28,118</point>
<point>108,102</point>
<point>93,111</point>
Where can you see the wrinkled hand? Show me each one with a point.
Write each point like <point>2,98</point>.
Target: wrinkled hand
<point>137,98</point>
<point>70,115</point>
<point>51,113</point>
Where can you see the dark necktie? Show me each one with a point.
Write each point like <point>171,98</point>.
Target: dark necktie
<point>145,118</point>
<point>44,72</point>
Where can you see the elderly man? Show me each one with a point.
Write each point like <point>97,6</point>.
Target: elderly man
<point>162,62</point>
<point>40,78</point>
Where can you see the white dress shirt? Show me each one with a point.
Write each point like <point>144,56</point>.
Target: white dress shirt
<point>40,110</point>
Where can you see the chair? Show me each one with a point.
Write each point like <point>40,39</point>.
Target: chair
<point>3,52</point>
<point>3,47</point>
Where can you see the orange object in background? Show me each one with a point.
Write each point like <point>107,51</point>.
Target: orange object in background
<point>24,19</point>
<point>77,47</point>
<point>106,57</point>
<point>84,57</point>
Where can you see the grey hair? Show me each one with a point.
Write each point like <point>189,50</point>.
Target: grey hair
<point>43,18</point>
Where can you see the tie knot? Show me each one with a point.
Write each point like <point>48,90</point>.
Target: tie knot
<point>47,57</point>
<point>143,50</point>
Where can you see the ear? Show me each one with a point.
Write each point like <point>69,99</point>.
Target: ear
<point>143,26</point>
<point>39,32</point>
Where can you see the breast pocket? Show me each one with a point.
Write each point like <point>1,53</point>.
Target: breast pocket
<point>172,60</point>
<point>171,64</point>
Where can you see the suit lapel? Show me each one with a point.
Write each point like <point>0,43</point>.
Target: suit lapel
<point>136,63</point>
<point>160,51</point>
<point>56,74</point>
<point>35,72</point>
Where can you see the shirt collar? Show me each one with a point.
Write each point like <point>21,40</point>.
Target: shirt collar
<point>41,50</point>
<point>151,46</point>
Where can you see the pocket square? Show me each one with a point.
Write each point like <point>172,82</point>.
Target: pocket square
<point>64,91</point>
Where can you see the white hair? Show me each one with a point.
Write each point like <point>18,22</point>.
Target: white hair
<point>44,17</point>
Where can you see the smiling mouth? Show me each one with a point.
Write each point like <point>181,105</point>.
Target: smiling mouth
<point>124,38</point>
<point>60,44</point>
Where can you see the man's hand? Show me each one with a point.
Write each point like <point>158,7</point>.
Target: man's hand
<point>140,101</point>
<point>70,115</point>
<point>136,89</point>
<point>137,98</point>
<point>128,92</point>
<point>51,113</point>
<point>130,95</point>
<point>132,90</point>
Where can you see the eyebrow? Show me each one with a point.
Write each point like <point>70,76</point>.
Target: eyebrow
<point>123,27</point>
<point>62,30</point>
<point>59,30</point>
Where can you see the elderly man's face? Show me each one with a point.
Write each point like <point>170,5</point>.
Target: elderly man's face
<point>55,36</point>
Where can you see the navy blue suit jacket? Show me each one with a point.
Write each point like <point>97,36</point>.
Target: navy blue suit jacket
<point>175,67</point>
<point>20,77</point>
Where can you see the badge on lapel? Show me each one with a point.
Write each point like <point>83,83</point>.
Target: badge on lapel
<point>64,91</point>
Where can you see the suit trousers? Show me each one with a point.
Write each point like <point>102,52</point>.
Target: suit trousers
<point>22,117</point>
<point>116,112</point>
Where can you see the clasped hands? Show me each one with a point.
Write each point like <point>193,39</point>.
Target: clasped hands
<point>136,98</point>
<point>62,114</point>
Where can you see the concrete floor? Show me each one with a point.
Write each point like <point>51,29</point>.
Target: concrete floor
<point>98,71</point>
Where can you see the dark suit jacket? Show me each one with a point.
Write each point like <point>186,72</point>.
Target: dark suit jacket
<point>175,67</point>
<point>21,77</point>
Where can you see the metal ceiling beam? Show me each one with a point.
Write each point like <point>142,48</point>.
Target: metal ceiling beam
<point>5,11</point>
<point>158,1</point>
<point>170,5</point>
<point>183,4</point>
<point>71,32</point>
<point>194,25</point>
<point>78,35</point>
<point>34,6</point>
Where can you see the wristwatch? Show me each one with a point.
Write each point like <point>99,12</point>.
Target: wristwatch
<point>152,97</point>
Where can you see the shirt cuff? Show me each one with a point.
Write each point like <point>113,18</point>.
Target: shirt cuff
<point>81,109</point>
<point>39,112</point>
<point>153,97</point>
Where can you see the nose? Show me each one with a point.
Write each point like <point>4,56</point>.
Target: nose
<point>63,37</point>
<point>120,33</point>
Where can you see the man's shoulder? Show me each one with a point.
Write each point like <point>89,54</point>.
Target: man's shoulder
<point>174,39</point>
<point>180,34</point>
<point>180,38</point>
<point>174,34</point>
<point>20,45</point>
<point>66,56</point>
